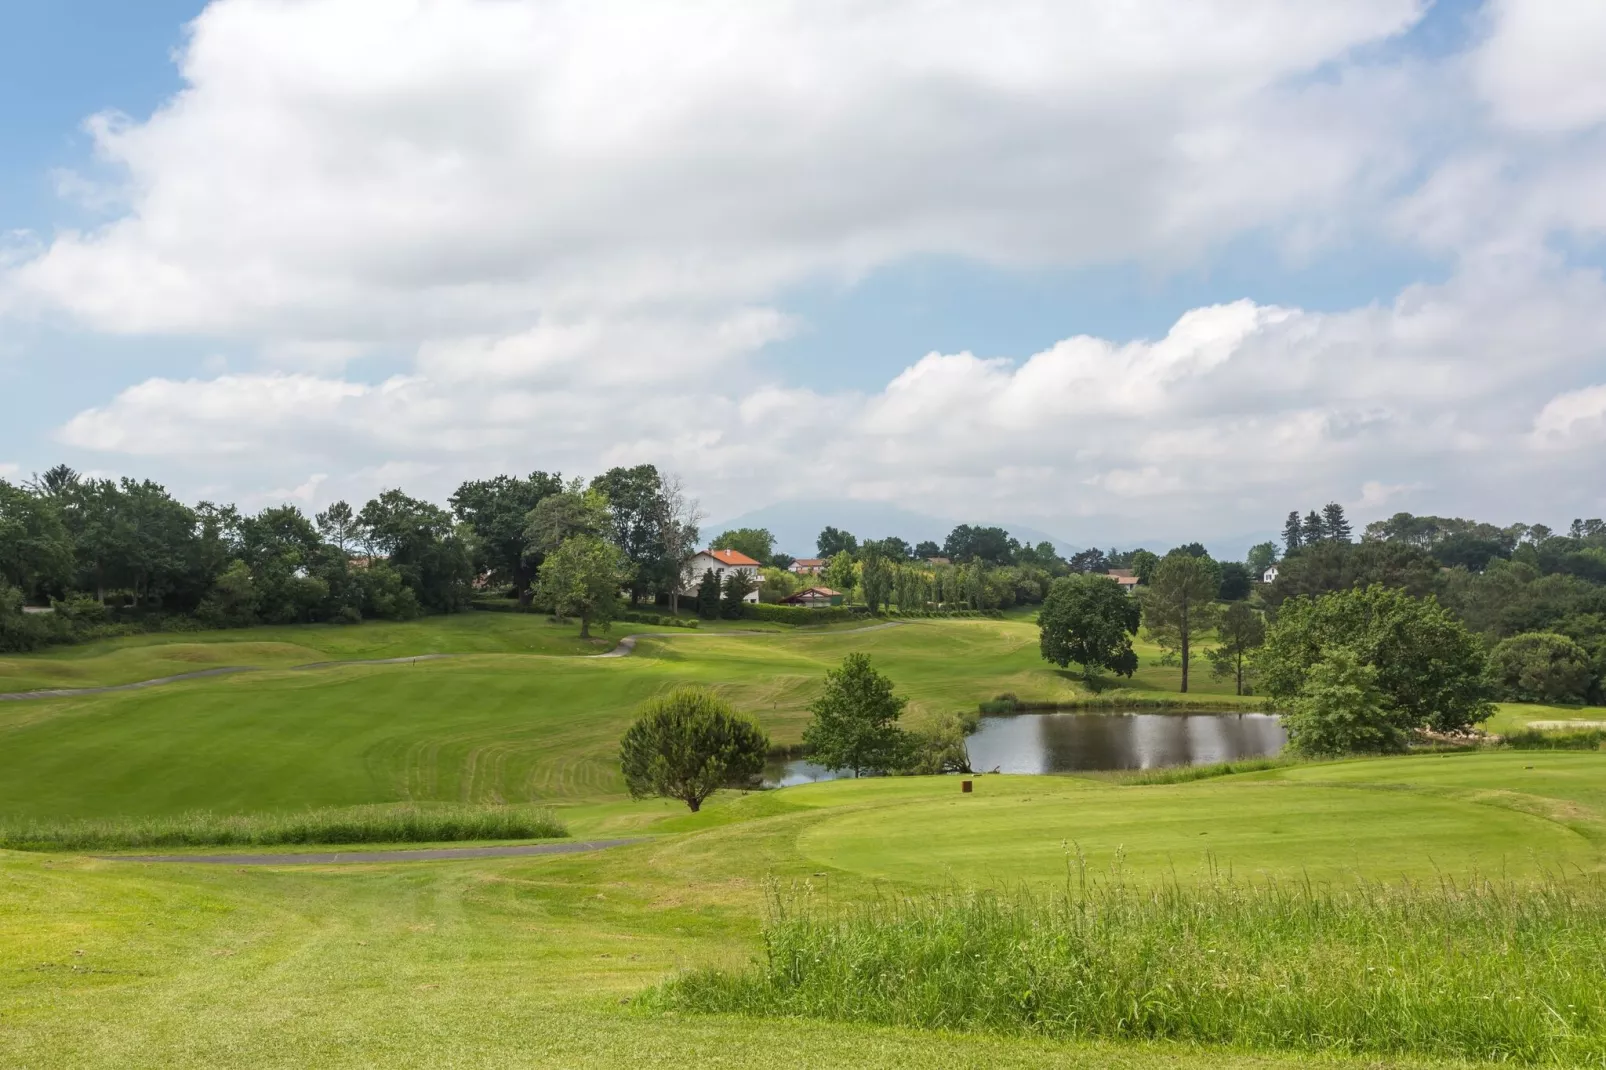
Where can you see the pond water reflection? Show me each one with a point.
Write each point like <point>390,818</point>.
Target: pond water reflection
<point>1078,742</point>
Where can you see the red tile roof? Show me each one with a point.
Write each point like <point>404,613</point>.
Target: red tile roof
<point>732,557</point>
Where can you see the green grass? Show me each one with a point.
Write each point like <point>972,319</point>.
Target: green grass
<point>1491,971</point>
<point>524,961</point>
<point>351,825</point>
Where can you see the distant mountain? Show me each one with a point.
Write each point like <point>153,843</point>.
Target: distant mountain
<point>797,524</point>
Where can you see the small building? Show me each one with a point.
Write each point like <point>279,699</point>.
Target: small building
<point>809,566</point>
<point>938,561</point>
<point>1270,575</point>
<point>720,562</point>
<point>1125,577</point>
<point>813,596</point>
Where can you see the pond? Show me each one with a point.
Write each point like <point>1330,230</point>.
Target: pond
<point>1080,742</point>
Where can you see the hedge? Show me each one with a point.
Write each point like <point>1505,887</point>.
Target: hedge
<point>802,614</point>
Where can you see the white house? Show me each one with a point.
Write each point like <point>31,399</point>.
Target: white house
<point>809,566</point>
<point>722,562</point>
<point>1270,575</point>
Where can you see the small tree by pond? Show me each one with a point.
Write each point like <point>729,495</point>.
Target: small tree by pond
<point>1431,671</point>
<point>1341,710</point>
<point>855,723</point>
<point>688,744</point>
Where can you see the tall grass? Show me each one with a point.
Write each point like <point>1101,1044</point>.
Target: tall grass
<point>1479,971</point>
<point>402,823</point>
<point>1575,739</point>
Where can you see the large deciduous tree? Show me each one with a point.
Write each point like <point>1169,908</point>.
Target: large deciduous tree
<point>832,542</point>
<point>582,579</point>
<point>1261,556</point>
<point>498,511</point>
<point>1178,605</point>
<point>1089,620</point>
<point>1430,669</point>
<point>855,724</point>
<point>557,518</point>
<point>638,507</point>
<point>434,557</point>
<point>756,543</point>
<point>688,744</point>
<point>991,545</point>
<point>35,549</point>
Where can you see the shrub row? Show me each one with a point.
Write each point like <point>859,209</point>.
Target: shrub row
<point>802,614</point>
<point>990,614</point>
<point>657,620</point>
<point>405,823</point>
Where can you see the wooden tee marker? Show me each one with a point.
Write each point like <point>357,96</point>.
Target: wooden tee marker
<point>964,786</point>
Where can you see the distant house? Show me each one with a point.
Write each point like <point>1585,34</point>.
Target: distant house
<point>1270,575</point>
<point>1125,577</point>
<point>938,561</point>
<point>813,596</point>
<point>721,562</point>
<point>809,566</point>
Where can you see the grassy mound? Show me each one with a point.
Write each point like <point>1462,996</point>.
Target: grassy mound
<point>1487,971</point>
<point>352,824</point>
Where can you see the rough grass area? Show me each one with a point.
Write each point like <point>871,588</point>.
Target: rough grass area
<point>353,824</point>
<point>1537,739</point>
<point>1487,971</point>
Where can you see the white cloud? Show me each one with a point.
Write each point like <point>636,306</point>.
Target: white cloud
<point>581,221</point>
<point>353,172</point>
<point>1237,414</point>
<point>1541,68</point>
<point>1573,419</point>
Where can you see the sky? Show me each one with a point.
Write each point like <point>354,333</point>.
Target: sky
<point>1140,273</point>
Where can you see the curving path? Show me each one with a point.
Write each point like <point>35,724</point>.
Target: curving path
<point>428,854</point>
<point>626,647</point>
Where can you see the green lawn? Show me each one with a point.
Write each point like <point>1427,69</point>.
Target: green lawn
<point>525,961</point>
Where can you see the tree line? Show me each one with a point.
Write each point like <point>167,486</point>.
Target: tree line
<point>1415,627</point>
<point>118,554</point>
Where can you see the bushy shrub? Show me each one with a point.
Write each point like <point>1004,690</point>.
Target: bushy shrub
<point>1541,667</point>
<point>688,744</point>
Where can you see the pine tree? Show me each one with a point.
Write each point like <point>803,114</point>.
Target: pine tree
<point>855,724</point>
<point>1291,533</point>
<point>1334,526</point>
<point>708,595</point>
<point>1314,530</point>
<point>737,587</point>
